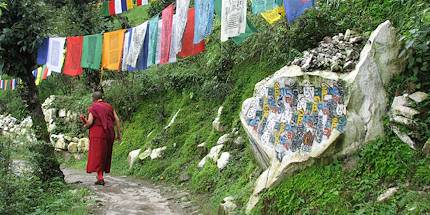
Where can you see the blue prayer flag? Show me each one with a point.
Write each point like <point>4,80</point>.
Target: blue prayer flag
<point>295,8</point>
<point>204,15</point>
<point>42,52</point>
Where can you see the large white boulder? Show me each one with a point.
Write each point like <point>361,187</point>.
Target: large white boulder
<point>61,144</point>
<point>294,115</point>
<point>157,153</point>
<point>223,160</point>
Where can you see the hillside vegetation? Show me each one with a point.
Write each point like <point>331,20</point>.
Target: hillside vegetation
<point>225,74</point>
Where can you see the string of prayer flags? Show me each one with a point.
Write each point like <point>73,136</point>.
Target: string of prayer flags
<point>166,34</point>
<point>136,44</point>
<point>182,16</point>
<point>158,51</point>
<point>152,44</point>
<point>295,8</point>
<point>112,50</point>
<point>125,51</point>
<point>72,66</point>
<point>8,84</point>
<point>42,52</point>
<point>141,2</point>
<point>188,46</point>
<point>274,15</point>
<point>92,51</point>
<point>233,18</point>
<point>204,14</point>
<point>55,53</point>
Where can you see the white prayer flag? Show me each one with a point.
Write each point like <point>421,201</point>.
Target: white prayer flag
<point>182,16</point>
<point>125,51</point>
<point>118,7</point>
<point>233,18</point>
<point>136,44</point>
<point>56,54</point>
<point>173,41</point>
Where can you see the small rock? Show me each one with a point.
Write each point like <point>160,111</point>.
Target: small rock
<point>61,144</point>
<point>184,177</point>
<point>216,124</point>
<point>239,141</point>
<point>62,113</point>
<point>51,127</point>
<point>157,153</point>
<point>228,206</point>
<point>387,194</point>
<point>405,111</point>
<point>83,145</point>
<point>223,160</point>
<point>75,139</point>
<point>335,67</point>
<point>72,147</point>
<point>426,147</point>
<point>77,156</point>
<point>202,145</point>
<point>68,138</point>
<point>132,157</point>
<point>145,154</point>
<point>404,137</point>
<point>213,154</point>
<point>347,34</point>
<point>418,97</point>
<point>356,40</point>
<point>223,139</point>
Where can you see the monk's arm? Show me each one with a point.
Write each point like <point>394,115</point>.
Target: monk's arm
<point>90,121</point>
<point>117,125</point>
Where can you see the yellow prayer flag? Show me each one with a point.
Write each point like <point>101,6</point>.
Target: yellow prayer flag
<point>39,76</point>
<point>274,15</point>
<point>112,50</point>
<point>129,4</point>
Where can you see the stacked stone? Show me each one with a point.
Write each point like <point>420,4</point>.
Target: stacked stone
<point>20,131</point>
<point>337,54</point>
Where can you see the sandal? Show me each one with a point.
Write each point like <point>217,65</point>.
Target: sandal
<point>100,182</point>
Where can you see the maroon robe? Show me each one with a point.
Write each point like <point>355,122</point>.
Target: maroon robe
<point>102,136</point>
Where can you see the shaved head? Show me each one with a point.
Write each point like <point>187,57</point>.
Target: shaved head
<point>97,95</point>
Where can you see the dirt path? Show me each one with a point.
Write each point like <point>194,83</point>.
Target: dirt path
<point>122,195</point>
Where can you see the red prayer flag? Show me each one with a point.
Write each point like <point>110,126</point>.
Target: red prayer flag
<point>139,2</point>
<point>45,73</point>
<point>166,34</point>
<point>72,65</point>
<point>188,46</point>
<point>111,7</point>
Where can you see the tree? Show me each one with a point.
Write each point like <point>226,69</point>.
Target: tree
<point>23,25</point>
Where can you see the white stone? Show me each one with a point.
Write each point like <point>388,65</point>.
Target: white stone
<point>387,194</point>
<point>145,154</point>
<point>157,153</point>
<point>418,97</point>
<point>404,137</point>
<point>61,144</point>
<point>426,147</point>
<point>213,155</point>
<point>132,157</point>
<point>239,141</point>
<point>50,115</point>
<point>68,138</point>
<point>72,147</point>
<point>228,206</point>
<point>202,145</point>
<point>216,124</point>
<point>402,120</point>
<point>173,119</point>
<point>52,127</point>
<point>407,112</point>
<point>83,145</point>
<point>62,113</point>
<point>75,139</point>
<point>224,139</point>
<point>223,160</point>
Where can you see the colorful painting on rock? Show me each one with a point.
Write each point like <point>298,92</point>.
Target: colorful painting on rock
<point>293,116</point>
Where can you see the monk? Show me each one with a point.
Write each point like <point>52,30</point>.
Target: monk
<point>101,121</point>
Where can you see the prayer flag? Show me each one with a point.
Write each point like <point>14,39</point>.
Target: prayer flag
<point>55,53</point>
<point>13,84</point>
<point>72,66</point>
<point>42,52</point>
<point>138,2</point>
<point>6,85</point>
<point>112,50</point>
<point>136,44</point>
<point>105,8</point>
<point>1,84</point>
<point>127,40</point>
<point>46,72</point>
<point>182,16</point>
<point>92,51</point>
<point>233,18</point>
<point>295,8</point>
<point>143,56</point>
<point>173,42</point>
<point>259,6</point>
<point>111,7</point>
<point>129,4</point>
<point>204,13</point>
<point>166,34</point>
<point>39,76</point>
<point>274,15</point>
<point>118,6</point>
<point>158,51</point>
<point>124,5</point>
<point>152,44</point>
<point>250,29</point>
<point>188,46</point>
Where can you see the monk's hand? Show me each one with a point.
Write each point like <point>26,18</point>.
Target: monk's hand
<point>82,118</point>
<point>119,137</point>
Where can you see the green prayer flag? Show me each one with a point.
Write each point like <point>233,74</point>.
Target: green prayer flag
<point>105,8</point>
<point>250,29</point>
<point>92,51</point>
<point>153,36</point>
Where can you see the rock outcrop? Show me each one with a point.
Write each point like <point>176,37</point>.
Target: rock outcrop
<point>300,113</point>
